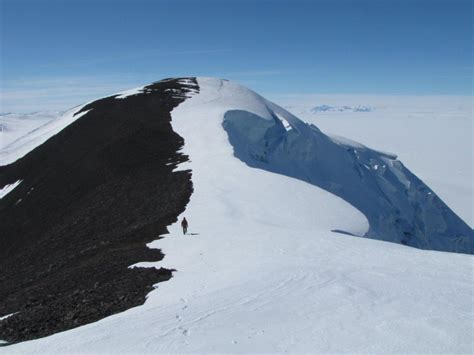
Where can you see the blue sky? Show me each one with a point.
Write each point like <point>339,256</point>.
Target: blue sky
<point>64,52</point>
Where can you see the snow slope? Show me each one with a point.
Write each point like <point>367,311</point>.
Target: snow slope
<point>33,133</point>
<point>432,135</point>
<point>13,126</point>
<point>261,270</point>
<point>399,207</point>
<point>8,188</point>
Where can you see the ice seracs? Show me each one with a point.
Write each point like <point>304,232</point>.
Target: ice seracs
<point>399,207</point>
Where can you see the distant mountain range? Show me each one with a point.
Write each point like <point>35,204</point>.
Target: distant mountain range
<point>327,108</point>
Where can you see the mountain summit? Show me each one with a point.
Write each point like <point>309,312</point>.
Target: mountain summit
<point>87,196</point>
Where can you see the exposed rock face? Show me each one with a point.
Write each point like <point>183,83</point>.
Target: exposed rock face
<point>90,199</point>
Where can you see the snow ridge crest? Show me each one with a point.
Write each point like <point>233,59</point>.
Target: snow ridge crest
<point>400,208</point>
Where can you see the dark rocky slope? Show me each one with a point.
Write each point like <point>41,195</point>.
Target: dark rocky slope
<point>91,198</point>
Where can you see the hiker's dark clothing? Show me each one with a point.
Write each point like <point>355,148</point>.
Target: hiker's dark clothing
<point>184,225</point>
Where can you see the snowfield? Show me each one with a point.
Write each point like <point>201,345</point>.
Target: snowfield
<point>35,133</point>
<point>261,271</point>
<point>14,126</point>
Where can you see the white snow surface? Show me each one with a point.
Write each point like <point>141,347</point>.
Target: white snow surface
<point>131,92</point>
<point>22,145</point>
<point>14,125</point>
<point>7,189</point>
<point>6,316</point>
<point>260,270</point>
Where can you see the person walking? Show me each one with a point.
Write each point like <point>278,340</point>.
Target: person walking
<point>184,225</point>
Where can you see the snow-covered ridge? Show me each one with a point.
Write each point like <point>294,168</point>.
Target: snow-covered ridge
<point>260,270</point>
<point>21,133</point>
<point>400,207</point>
